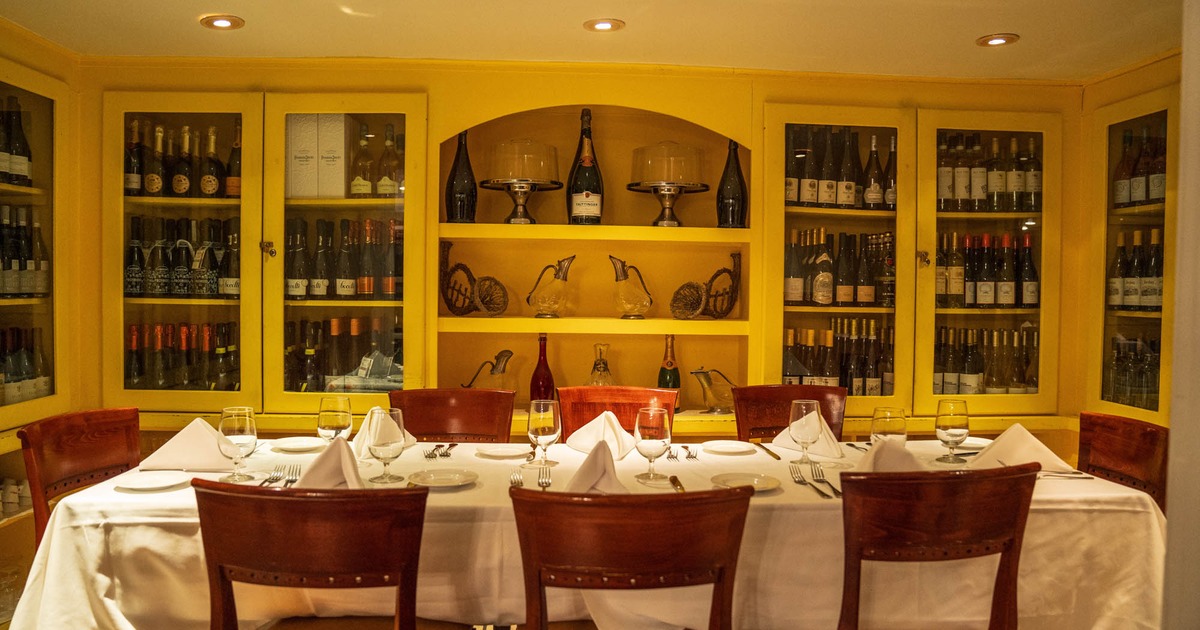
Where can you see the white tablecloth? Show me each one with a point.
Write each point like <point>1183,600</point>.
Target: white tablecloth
<point>1093,559</point>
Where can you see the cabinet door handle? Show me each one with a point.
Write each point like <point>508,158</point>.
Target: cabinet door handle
<point>267,247</point>
<point>922,257</point>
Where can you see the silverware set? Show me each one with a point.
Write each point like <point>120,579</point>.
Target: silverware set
<point>672,455</point>
<point>799,478</point>
<point>818,475</point>
<point>288,474</point>
<point>691,454</point>
<point>275,476</point>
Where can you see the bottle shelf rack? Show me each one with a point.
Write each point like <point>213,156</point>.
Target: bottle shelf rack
<point>594,326</point>
<point>21,194</point>
<point>155,301</point>
<point>344,303</point>
<point>552,232</point>
<point>841,310</point>
<point>380,203</point>
<point>986,311</point>
<point>988,216</point>
<point>840,213</point>
<point>30,301</point>
<point>181,202</point>
<point>1134,314</point>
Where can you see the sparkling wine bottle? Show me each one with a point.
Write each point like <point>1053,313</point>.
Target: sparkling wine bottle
<point>212,171</point>
<point>732,197</point>
<point>135,259</point>
<point>362,172</point>
<point>19,155</point>
<point>181,175</point>
<point>233,169</point>
<point>460,186</point>
<point>585,186</point>
<point>133,160</point>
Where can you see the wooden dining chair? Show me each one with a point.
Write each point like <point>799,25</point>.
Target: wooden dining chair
<point>456,414</point>
<point>596,541</point>
<point>69,451</point>
<point>1130,452</point>
<point>762,411</point>
<point>934,516</point>
<point>581,404</point>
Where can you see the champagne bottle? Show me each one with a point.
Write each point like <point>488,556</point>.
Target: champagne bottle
<point>296,274</point>
<point>197,157</point>
<point>810,177</point>
<point>229,276</point>
<point>460,186</point>
<point>1139,180</point>
<point>153,174</point>
<point>541,383</point>
<point>181,174</point>
<point>182,259</point>
<point>1033,179</point>
<point>345,274</point>
<point>732,196</point>
<point>997,180</point>
<point>1123,171</point>
<point>1157,181</point>
<point>827,185</point>
<point>157,274</point>
<point>1152,279</point>
<point>1014,177</point>
<point>387,263</point>
<point>362,172</point>
<point>391,166</point>
<point>204,268</point>
<point>945,175</point>
<point>873,180</point>
<point>19,155</point>
<point>233,169</point>
<point>1030,292</point>
<point>889,178</point>
<point>668,372</point>
<point>322,263</point>
<point>312,378</point>
<point>169,159</point>
<point>135,259</point>
<point>793,161</point>
<point>212,171</point>
<point>365,285</point>
<point>133,160</point>
<point>1006,274</point>
<point>585,185</point>
<point>846,180</point>
<point>1115,295</point>
<point>885,278</point>
<point>955,275</point>
<point>156,361</point>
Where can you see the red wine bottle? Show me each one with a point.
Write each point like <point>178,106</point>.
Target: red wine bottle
<point>541,385</point>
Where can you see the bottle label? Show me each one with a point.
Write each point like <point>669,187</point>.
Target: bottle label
<point>158,281</point>
<point>12,284</point>
<point>1151,292</point>
<point>233,186</point>
<point>827,191</point>
<point>204,281</point>
<point>4,161</point>
<point>133,181</point>
<point>1158,186</point>
<point>389,286</point>
<point>845,194</point>
<point>857,387</point>
<point>229,286</point>
<point>209,185</point>
<point>822,289</point>
<point>808,190</point>
<point>872,387</point>
<point>133,280</point>
<point>1133,292</point>
<point>996,181</point>
<point>889,197</point>
<point>297,287</point>
<point>791,189</point>
<point>154,183</point>
<point>955,280</point>
<point>844,293</point>
<point>1137,189</point>
<point>1121,191</point>
<point>18,165</point>
<point>181,281</point>
<point>950,382</point>
<point>41,279</point>
<point>1015,181</point>
<point>889,384</point>
<point>939,280</point>
<point>969,292</point>
<point>346,287</point>
<point>793,289</point>
<point>365,285</point>
<point>873,194</point>
<point>12,393</point>
<point>585,204</point>
<point>386,187</point>
<point>1029,293</point>
<point>962,182</point>
<point>318,287</point>
<point>985,293</point>
<point>41,386</point>
<point>865,294</point>
<point>181,184</point>
<point>1116,291</point>
<point>995,390</point>
<point>1033,181</point>
<point>939,382</point>
<point>945,182</point>
<point>978,183</point>
<point>1006,293</point>
<point>968,383</point>
<point>360,186</point>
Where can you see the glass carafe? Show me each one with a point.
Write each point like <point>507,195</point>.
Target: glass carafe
<point>600,372</point>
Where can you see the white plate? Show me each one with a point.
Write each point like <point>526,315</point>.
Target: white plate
<point>503,451</point>
<point>728,447</point>
<point>445,478</point>
<point>152,480</point>
<point>973,444</point>
<point>299,444</point>
<point>760,482</point>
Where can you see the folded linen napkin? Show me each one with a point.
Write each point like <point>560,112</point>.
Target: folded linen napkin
<point>826,445</point>
<point>1018,446</point>
<point>334,468</point>
<point>377,428</point>
<point>603,428</point>
<point>193,448</point>
<point>889,456</point>
<point>597,474</point>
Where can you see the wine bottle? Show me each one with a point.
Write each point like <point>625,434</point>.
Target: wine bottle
<point>28,268</point>
<point>134,372</point>
<point>1014,177</point>
<point>218,376</point>
<point>296,275</point>
<point>365,284</point>
<point>460,186</point>
<point>183,258</point>
<point>391,166</point>
<point>1006,273</point>
<point>1123,171</point>
<point>885,277</point>
<point>952,364</point>
<point>1152,279</point>
<point>979,177</point>
<point>939,273</point>
<point>793,370</point>
<point>312,379</point>
<point>864,274</point>
<point>345,274</point>
<point>956,287</point>
<point>333,354</point>
<point>1033,179</point>
<point>939,362</point>
<point>1030,291</point>
<point>204,268</point>
<point>5,160</point>
<point>962,175</point>
<point>843,274</point>
<point>1016,365</point>
<point>845,176</point>
<point>985,278</point>
<point>12,255</point>
<point>397,236</point>
<point>585,185</point>
<point>181,174</point>
<point>793,279</point>
<point>157,274</point>
<point>822,272</point>
<point>133,161</point>
<point>889,178</point>
<point>810,177</point>
<point>153,173</point>
<point>732,196</point>
<point>135,259</point>
<point>857,163</point>
<point>1139,180</point>
<point>1157,181</point>
<point>19,155</point>
<point>793,161</point>
<point>873,180</point>
<point>229,275</point>
<point>385,287</point>
<point>852,366</point>
<point>322,263</point>
<point>169,159</point>
<point>827,185</point>
<point>1032,368</point>
<point>993,383</point>
<point>212,171</point>
<point>541,383</point>
<point>872,377</point>
<point>156,361</point>
<point>668,372</point>
<point>362,171</point>
<point>1115,294</point>
<point>997,180</point>
<point>1134,272</point>
<point>197,157</point>
<point>233,169</point>
<point>945,175</point>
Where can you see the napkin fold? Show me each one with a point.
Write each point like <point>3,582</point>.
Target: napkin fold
<point>597,474</point>
<point>604,428</point>
<point>334,468</point>
<point>193,448</point>
<point>376,429</point>
<point>889,456</point>
<point>826,445</point>
<point>1017,446</point>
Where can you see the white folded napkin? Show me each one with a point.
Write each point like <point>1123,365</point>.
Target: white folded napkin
<point>334,468</point>
<point>1017,446</point>
<point>826,445</point>
<point>889,456</point>
<point>193,448</point>
<point>597,474</point>
<point>376,429</point>
<point>603,428</point>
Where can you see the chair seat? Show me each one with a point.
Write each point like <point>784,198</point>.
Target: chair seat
<point>357,623</point>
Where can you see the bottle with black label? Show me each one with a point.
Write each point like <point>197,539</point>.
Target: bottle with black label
<point>135,258</point>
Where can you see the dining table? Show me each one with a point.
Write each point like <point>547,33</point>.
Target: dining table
<point>127,552</point>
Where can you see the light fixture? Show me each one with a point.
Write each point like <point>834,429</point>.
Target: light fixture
<point>997,39</point>
<point>222,22</point>
<point>604,25</point>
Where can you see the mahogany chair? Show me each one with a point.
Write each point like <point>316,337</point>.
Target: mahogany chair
<point>581,404</point>
<point>934,516</point>
<point>762,411</point>
<point>456,414</point>
<point>244,542</point>
<point>1126,451</point>
<point>72,450</point>
<point>583,541</point>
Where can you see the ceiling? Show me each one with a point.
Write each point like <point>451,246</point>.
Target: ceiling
<point>1069,40</point>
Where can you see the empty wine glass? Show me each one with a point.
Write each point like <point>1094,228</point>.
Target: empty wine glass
<point>652,430</point>
<point>240,439</point>
<point>333,418</point>
<point>545,426</point>
<point>387,449</point>
<point>951,427</point>
<point>888,423</point>
<point>805,426</point>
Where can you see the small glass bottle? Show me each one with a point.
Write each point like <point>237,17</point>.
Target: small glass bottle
<point>600,372</point>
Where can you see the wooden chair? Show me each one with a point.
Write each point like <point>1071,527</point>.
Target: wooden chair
<point>590,541</point>
<point>933,516</point>
<point>1126,451</point>
<point>456,414</point>
<point>245,542</point>
<point>581,404</point>
<point>72,450</point>
<point>762,411</point>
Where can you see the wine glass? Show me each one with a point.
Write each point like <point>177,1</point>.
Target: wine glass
<point>387,449</point>
<point>951,427</point>
<point>888,423</point>
<point>805,426</point>
<point>334,417</point>
<point>241,437</point>
<point>652,430</point>
<point>545,426</point>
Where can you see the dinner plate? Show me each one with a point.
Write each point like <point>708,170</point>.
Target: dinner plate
<point>760,482</point>
<point>153,480</point>
<point>503,451</point>
<point>728,447</point>
<point>443,478</point>
<point>973,444</point>
<point>299,444</point>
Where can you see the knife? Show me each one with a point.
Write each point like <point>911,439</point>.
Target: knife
<point>676,484</point>
<point>768,451</point>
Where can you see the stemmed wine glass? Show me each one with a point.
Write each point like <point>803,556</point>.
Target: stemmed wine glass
<point>888,423</point>
<point>545,426</point>
<point>333,418</point>
<point>804,427</point>
<point>240,439</point>
<point>652,430</point>
<point>951,427</point>
<point>390,448</point>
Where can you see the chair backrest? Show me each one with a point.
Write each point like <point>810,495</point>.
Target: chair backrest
<point>932,516</point>
<point>73,450</point>
<point>600,542</point>
<point>581,404</point>
<point>1126,451</point>
<point>456,414</point>
<point>298,538</point>
<point>762,411</point>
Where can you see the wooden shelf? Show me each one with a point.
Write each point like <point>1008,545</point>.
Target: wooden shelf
<point>182,202</point>
<point>1134,314</point>
<point>395,205</point>
<point>986,311</point>
<point>34,301</point>
<point>144,301</point>
<point>22,194</point>
<point>988,216</point>
<point>841,310</point>
<point>593,326</point>
<point>1151,209</point>
<point>840,213</point>
<point>560,232</point>
<point>344,303</point>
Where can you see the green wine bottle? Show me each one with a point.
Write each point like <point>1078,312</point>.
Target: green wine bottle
<point>668,373</point>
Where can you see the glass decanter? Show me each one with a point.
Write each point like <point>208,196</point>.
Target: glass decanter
<point>600,372</point>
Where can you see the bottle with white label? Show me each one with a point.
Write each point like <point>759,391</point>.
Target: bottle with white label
<point>41,258</point>
<point>979,176</point>
<point>585,186</point>
<point>1033,179</point>
<point>1152,278</point>
<point>1014,178</point>
<point>1132,299</point>
<point>945,176</point>
<point>793,276</point>
<point>362,171</point>
<point>985,279</point>
<point>1115,293</point>
<point>345,272</point>
<point>1157,182</point>
<point>391,167</point>
<point>1123,171</point>
<point>997,180</point>
<point>962,175</point>
<point>229,277</point>
<point>810,176</point>
<point>1006,273</point>
<point>1139,179</point>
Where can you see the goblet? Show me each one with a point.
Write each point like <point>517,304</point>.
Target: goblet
<point>241,437</point>
<point>333,418</point>
<point>952,427</point>
<point>388,449</point>
<point>652,431</point>
<point>805,426</point>
<point>888,423</point>
<point>545,426</point>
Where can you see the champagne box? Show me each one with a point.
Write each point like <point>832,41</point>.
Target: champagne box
<point>302,154</point>
<point>331,144</point>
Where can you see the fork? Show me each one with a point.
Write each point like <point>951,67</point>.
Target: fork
<point>516,480</point>
<point>446,452</point>
<point>818,475</point>
<point>433,452</point>
<point>293,475</point>
<point>543,478</point>
<point>799,478</point>
<point>276,475</point>
<point>691,454</point>
<point>672,455</point>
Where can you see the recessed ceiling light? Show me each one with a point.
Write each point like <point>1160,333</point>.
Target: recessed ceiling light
<point>222,22</point>
<point>997,39</point>
<point>604,25</point>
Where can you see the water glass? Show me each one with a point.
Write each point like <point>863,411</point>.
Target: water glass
<point>240,439</point>
<point>952,427</point>
<point>545,427</point>
<point>888,423</point>
<point>804,427</point>
<point>388,448</point>
<point>652,430</point>
<point>333,418</point>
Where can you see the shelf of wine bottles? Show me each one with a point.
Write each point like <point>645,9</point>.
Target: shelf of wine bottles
<point>1007,178</point>
<point>857,354</point>
<point>824,169</point>
<point>986,272</point>
<point>25,370</point>
<point>985,361</point>
<point>165,157</point>
<point>1131,373</point>
<point>367,262</point>
<point>859,272</point>
<point>183,259</point>
<point>320,167</point>
<point>1139,177</point>
<point>24,257</point>
<point>1135,275</point>
<point>343,354</point>
<point>183,356</point>
<point>15,168</point>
